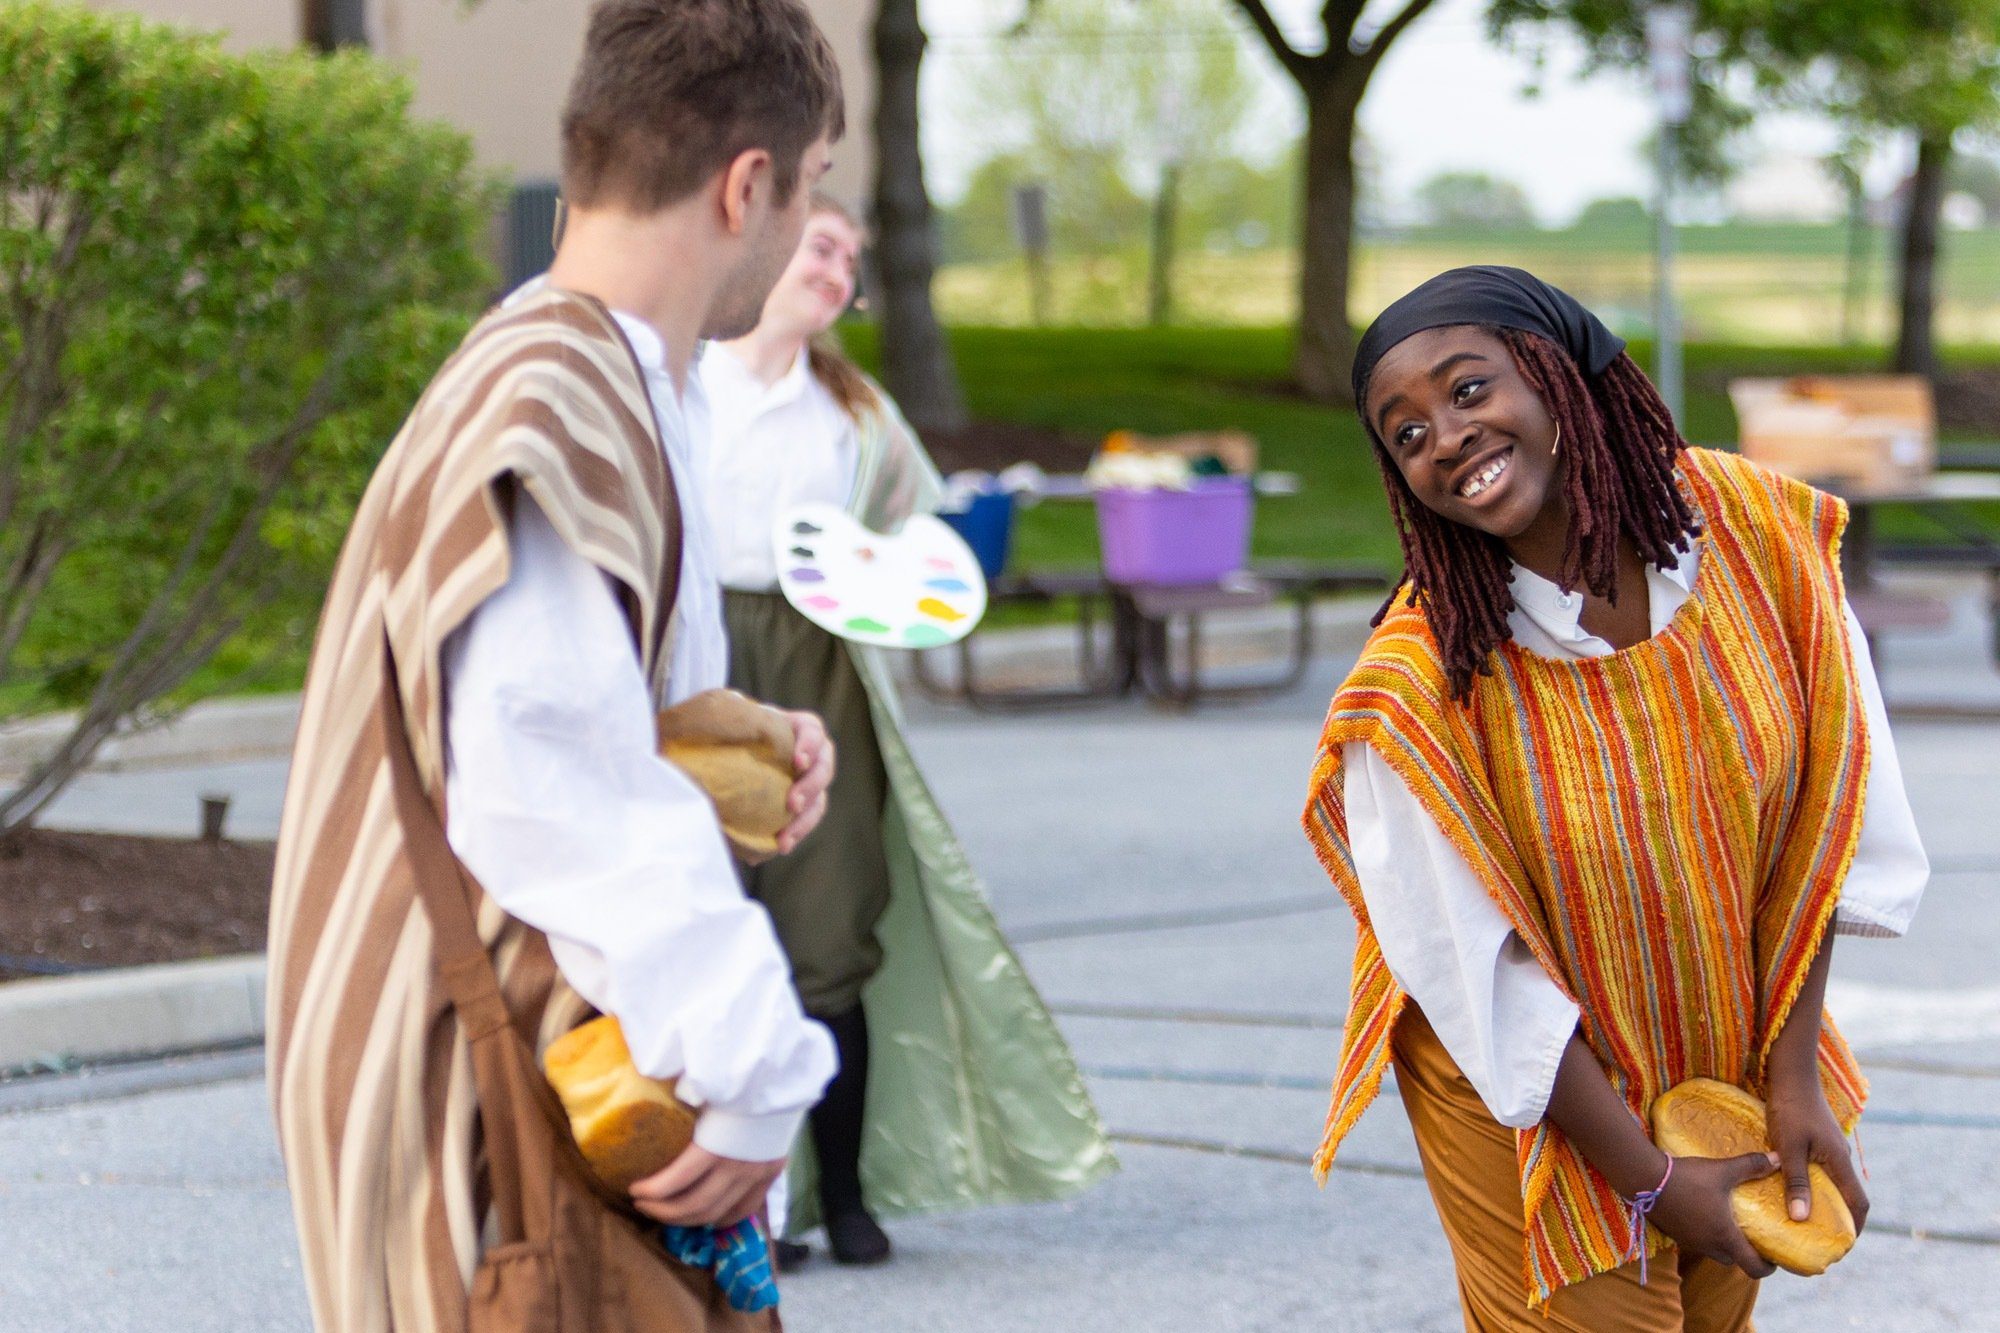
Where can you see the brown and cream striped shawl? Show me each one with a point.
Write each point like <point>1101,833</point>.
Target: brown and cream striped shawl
<point>369,1074</point>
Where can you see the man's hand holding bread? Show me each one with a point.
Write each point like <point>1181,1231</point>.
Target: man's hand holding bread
<point>767,770</point>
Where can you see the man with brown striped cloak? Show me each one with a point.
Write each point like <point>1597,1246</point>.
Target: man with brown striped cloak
<point>479,842</point>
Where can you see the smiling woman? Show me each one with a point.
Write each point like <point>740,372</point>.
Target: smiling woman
<point>1469,417</point>
<point>1611,772</point>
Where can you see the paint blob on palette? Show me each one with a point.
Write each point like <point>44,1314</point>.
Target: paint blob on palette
<point>919,588</point>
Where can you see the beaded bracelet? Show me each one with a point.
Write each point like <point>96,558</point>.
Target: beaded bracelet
<point>1641,1204</point>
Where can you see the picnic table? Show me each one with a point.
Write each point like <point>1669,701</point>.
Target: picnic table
<point>1126,633</point>
<point>1950,503</point>
<point>1134,650</point>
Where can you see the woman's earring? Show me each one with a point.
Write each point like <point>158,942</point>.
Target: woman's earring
<point>1556,448</point>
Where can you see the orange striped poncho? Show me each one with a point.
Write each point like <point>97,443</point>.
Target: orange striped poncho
<point>1667,828</point>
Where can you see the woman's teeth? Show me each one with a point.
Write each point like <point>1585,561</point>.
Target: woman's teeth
<point>1485,477</point>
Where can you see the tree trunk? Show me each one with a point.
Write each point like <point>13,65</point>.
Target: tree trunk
<point>1323,358</point>
<point>916,360</point>
<point>1916,332</point>
<point>1160,278</point>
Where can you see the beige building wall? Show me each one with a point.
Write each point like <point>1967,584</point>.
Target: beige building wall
<point>499,71</point>
<point>245,24</point>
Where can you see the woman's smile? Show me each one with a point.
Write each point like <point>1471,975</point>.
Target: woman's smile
<point>1486,476</point>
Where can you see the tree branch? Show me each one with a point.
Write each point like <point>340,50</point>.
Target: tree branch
<point>1392,30</point>
<point>274,467</point>
<point>171,661</point>
<point>26,582</point>
<point>45,340</point>
<point>1338,17</point>
<point>1295,63</point>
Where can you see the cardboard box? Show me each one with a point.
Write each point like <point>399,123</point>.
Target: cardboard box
<point>1853,432</point>
<point>1237,449</point>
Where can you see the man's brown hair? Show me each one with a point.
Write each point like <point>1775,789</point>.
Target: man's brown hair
<point>669,92</point>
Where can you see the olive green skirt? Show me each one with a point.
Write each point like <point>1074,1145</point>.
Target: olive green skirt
<point>827,897</point>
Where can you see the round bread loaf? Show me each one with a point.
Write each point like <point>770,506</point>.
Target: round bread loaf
<point>1705,1117</point>
<point>628,1125</point>
<point>740,753</point>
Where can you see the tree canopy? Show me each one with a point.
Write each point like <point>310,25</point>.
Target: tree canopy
<point>224,281</point>
<point>1473,200</point>
<point>1093,98</point>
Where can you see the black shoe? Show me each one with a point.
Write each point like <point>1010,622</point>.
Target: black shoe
<point>789,1256</point>
<point>855,1239</point>
<point>836,1132</point>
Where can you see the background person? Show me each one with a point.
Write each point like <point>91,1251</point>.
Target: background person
<point>889,935</point>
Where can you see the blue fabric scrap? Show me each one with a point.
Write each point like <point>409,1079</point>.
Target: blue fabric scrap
<point>739,1256</point>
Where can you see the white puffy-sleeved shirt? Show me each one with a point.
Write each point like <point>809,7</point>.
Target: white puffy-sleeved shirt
<point>774,447</point>
<point>1448,944</point>
<point>562,809</point>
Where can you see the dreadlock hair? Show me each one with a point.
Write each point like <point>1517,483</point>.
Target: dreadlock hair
<point>1619,447</point>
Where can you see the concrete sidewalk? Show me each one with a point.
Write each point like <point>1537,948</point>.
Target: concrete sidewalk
<point>1154,877</point>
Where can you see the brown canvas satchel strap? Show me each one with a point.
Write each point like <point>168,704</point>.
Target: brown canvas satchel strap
<point>515,1126</point>
<point>591,1265</point>
<point>462,959</point>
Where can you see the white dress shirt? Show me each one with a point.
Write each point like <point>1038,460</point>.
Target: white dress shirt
<point>1451,948</point>
<point>773,447</point>
<point>560,805</point>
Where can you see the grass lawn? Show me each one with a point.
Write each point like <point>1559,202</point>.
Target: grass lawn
<point>1086,382</point>
<point>1742,282</point>
<point>1090,381</point>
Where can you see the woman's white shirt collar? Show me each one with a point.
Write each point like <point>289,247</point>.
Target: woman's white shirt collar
<point>748,389</point>
<point>1559,614</point>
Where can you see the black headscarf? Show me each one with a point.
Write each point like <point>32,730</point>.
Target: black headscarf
<point>1499,297</point>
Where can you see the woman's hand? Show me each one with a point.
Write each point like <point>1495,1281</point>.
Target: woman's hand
<point>1803,1131</point>
<point>1694,1209</point>
<point>1694,1206</point>
<point>1801,1125</point>
<point>812,761</point>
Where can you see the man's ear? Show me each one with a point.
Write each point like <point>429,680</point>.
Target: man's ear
<point>746,188</point>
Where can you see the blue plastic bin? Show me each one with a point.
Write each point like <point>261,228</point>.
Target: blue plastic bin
<point>987,525</point>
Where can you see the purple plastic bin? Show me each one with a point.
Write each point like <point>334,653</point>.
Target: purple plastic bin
<point>1175,537</point>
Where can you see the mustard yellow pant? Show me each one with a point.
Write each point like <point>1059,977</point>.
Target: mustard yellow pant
<point>1475,1181</point>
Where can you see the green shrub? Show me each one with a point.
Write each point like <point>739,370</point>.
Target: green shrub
<point>223,281</point>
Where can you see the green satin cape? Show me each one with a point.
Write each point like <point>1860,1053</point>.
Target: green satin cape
<point>973,1095</point>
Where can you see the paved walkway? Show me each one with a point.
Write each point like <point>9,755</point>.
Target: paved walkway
<point>1152,871</point>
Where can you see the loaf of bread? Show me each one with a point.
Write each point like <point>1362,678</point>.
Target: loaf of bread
<point>1704,1117</point>
<point>628,1125</point>
<point>740,753</point>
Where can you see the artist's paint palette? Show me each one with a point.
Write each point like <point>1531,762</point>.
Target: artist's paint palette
<point>921,588</point>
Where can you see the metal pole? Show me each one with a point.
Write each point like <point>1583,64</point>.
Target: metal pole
<point>1031,229</point>
<point>1667,313</point>
<point>1668,30</point>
